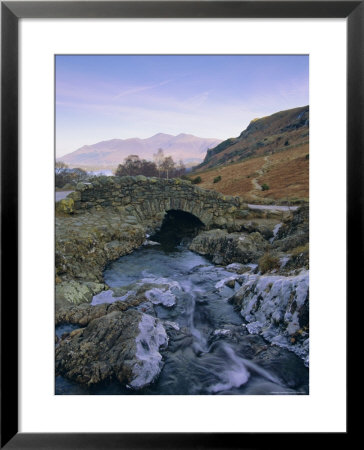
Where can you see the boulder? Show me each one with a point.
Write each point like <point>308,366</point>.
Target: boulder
<point>73,292</point>
<point>277,308</point>
<point>226,248</point>
<point>121,346</point>
<point>65,206</point>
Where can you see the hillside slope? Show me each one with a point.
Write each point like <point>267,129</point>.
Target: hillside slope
<point>285,175</point>
<point>264,136</point>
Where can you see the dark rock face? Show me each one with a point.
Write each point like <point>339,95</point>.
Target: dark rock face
<point>295,231</point>
<point>119,346</point>
<point>225,248</point>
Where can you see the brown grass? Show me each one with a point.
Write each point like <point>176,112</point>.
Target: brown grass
<point>285,172</point>
<point>268,262</point>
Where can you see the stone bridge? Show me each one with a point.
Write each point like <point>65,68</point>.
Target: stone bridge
<point>148,199</point>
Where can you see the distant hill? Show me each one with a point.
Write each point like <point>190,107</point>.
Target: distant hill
<point>264,136</point>
<point>191,149</point>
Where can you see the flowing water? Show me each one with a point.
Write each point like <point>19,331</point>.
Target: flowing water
<point>209,349</point>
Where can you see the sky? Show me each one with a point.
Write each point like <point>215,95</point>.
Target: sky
<point>102,97</point>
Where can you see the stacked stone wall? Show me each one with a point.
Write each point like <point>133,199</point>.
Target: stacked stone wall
<point>146,198</point>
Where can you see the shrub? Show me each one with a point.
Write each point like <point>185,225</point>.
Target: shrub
<point>217,179</point>
<point>268,262</point>
<point>196,180</point>
<point>301,250</point>
<point>265,187</point>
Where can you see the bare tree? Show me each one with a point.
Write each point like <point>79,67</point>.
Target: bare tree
<point>180,169</point>
<point>168,165</point>
<point>60,166</point>
<point>158,159</point>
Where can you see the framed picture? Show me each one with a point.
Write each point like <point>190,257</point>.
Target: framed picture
<point>59,59</point>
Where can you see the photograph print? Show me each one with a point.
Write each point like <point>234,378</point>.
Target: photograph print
<point>182,224</point>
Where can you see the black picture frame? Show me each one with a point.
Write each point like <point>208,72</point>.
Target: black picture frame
<point>11,12</point>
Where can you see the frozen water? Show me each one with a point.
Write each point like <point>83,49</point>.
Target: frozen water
<point>149,361</point>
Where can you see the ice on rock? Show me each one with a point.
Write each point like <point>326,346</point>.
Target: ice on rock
<point>220,284</point>
<point>108,297</point>
<point>161,297</point>
<point>222,332</point>
<point>165,293</point>
<point>149,242</point>
<point>283,261</point>
<point>171,324</point>
<point>254,327</point>
<point>275,232</point>
<point>152,336</point>
<point>274,306</point>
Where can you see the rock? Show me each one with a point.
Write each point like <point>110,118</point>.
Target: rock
<point>75,195</point>
<point>294,232</point>
<point>226,248</point>
<point>121,345</point>
<point>86,242</point>
<point>230,284</point>
<point>73,292</point>
<point>276,307</point>
<point>68,187</point>
<point>65,206</point>
<point>238,268</point>
<point>84,314</point>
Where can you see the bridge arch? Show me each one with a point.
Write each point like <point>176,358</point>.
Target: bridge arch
<point>151,198</point>
<point>177,226</point>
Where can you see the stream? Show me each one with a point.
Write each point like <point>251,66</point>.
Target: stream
<point>209,349</point>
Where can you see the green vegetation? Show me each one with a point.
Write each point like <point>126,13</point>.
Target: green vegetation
<point>217,179</point>
<point>196,180</point>
<point>64,176</point>
<point>265,187</point>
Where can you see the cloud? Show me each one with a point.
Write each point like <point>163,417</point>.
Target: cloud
<point>137,89</point>
<point>196,101</point>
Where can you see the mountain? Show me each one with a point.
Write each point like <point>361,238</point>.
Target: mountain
<point>191,149</point>
<point>264,136</point>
